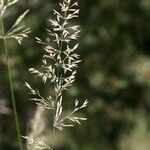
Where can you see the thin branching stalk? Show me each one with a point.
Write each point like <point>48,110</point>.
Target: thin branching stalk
<point>11,87</point>
<point>60,47</point>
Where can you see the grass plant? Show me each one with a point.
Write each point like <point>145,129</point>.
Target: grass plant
<point>17,32</point>
<point>59,67</point>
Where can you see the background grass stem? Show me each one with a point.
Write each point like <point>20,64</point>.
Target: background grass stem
<point>11,87</point>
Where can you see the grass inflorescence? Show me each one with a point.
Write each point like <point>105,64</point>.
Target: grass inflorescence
<point>59,67</point>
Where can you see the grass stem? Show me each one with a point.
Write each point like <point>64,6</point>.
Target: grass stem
<point>11,86</point>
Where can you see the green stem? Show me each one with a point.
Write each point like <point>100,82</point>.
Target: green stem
<point>56,97</point>
<point>53,130</point>
<point>11,86</point>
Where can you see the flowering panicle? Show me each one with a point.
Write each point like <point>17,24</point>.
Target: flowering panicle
<point>60,63</point>
<point>18,31</point>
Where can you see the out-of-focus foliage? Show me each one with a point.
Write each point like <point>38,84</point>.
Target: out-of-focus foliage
<point>114,74</point>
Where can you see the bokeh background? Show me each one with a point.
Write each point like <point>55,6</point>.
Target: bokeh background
<point>114,75</point>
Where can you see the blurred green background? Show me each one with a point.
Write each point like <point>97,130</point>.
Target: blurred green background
<point>114,75</point>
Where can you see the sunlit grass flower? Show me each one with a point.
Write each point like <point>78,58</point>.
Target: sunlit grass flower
<point>59,67</point>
